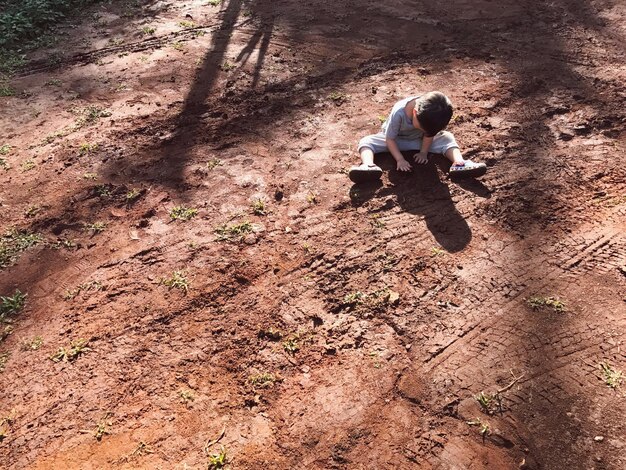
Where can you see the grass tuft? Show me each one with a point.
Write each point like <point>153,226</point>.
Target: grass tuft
<point>217,461</point>
<point>263,380</point>
<point>613,378</point>
<point>72,353</point>
<point>233,232</point>
<point>14,242</point>
<point>259,207</point>
<point>178,280</point>
<point>183,213</point>
<point>12,304</point>
<point>96,227</point>
<point>538,303</point>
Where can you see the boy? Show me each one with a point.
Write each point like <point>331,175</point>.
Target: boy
<point>415,123</point>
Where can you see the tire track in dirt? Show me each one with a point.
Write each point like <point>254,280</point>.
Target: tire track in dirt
<point>559,355</point>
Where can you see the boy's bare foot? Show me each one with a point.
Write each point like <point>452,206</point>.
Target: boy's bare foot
<point>364,173</point>
<point>468,169</point>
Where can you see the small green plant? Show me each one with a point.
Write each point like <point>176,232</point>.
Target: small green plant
<point>217,461</point>
<point>214,3</point>
<point>103,190</point>
<point>91,286</point>
<point>5,423</point>
<point>183,213</point>
<point>15,241</point>
<point>354,298</point>
<point>90,176</point>
<point>54,82</point>
<point>6,90</point>
<point>487,402</point>
<point>4,164</point>
<point>12,304</point>
<point>186,24</point>
<point>64,243</point>
<point>214,163</point>
<point>186,396</point>
<point>132,195</point>
<point>102,427</point>
<point>492,402</point>
<point>148,30</point>
<point>291,345</point>
<point>338,98</point>
<point>232,232</point>
<point>179,46</point>
<point>90,115</point>
<point>4,358</point>
<point>141,449</point>
<point>484,427</point>
<point>263,380</point>
<point>6,332</point>
<point>376,222</point>
<point>308,248</point>
<point>435,251</point>
<point>96,227</point>
<point>178,280</point>
<point>389,261</point>
<point>382,119</point>
<point>32,211</point>
<point>538,303</point>
<point>32,344</point>
<point>5,149</point>
<point>10,61</point>
<point>311,198</point>
<point>86,148</point>
<point>259,207</point>
<point>227,66</point>
<point>72,353</point>
<point>613,378</point>
<point>28,165</point>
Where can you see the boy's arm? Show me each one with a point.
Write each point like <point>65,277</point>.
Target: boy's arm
<point>402,164</point>
<point>422,156</point>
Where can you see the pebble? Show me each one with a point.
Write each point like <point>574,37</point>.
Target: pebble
<point>598,438</point>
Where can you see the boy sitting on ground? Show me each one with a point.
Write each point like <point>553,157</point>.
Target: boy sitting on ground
<point>415,123</point>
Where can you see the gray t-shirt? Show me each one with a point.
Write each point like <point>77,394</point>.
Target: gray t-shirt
<point>398,125</point>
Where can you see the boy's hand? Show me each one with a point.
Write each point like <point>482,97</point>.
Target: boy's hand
<point>421,157</point>
<point>403,165</point>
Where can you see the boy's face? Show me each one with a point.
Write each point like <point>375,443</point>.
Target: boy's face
<point>416,123</point>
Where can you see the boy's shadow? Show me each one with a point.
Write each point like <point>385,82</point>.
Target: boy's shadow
<point>421,192</point>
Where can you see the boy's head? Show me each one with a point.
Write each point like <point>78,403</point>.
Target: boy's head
<point>433,111</point>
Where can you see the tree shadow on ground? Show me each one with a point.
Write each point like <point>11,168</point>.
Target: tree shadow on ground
<point>422,192</point>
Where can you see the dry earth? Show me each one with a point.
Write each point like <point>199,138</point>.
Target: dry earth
<point>352,327</point>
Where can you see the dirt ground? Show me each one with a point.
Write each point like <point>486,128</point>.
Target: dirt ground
<point>328,326</point>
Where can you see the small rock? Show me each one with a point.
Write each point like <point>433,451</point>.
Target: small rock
<point>250,239</point>
<point>598,438</point>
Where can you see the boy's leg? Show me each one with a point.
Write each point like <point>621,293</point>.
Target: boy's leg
<point>367,156</point>
<point>368,170</point>
<point>445,143</point>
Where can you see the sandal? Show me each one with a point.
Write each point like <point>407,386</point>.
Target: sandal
<point>469,170</point>
<point>365,173</point>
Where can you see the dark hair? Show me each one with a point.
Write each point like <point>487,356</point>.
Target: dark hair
<point>434,111</point>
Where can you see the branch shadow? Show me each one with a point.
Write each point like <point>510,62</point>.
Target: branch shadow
<point>423,193</point>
